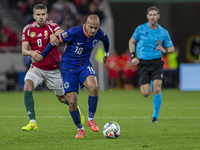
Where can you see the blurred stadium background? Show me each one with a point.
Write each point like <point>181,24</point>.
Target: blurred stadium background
<point>119,18</point>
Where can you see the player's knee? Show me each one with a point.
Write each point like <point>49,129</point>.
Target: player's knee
<point>156,91</point>
<point>62,100</point>
<point>94,90</point>
<point>145,93</point>
<point>27,87</point>
<point>73,104</point>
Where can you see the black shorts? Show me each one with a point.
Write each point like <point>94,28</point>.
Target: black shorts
<point>150,70</point>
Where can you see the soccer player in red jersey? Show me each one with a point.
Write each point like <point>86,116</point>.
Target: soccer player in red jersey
<point>37,36</point>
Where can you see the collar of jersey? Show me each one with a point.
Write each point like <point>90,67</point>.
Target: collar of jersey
<point>153,29</point>
<point>85,31</point>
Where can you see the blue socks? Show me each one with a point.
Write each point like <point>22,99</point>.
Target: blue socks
<point>151,85</point>
<point>156,104</point>
<point>92,102</point>
<point>76,118</point>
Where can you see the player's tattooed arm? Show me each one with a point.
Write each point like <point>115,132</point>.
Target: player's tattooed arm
<point>53,37</point>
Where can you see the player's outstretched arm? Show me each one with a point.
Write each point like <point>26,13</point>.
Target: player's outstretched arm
<point>61,37</point>
<point>44,53</point>
<point>51,46</point>
<point>47,50</point>
<point>53,37</point>
<point>106,49</point>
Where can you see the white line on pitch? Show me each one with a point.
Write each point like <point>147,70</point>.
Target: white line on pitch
<point>112,117</point>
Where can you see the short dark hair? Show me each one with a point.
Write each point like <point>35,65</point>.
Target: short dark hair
<point>153,8</point>
<point>39,6</point>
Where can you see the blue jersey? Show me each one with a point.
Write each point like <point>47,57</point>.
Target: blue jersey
<point>79,46</point>
<point>148,39</point>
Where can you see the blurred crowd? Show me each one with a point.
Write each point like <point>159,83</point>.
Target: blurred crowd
<point>122,74</point>
<point>171,69</point>
<point>66,13</point>
<point>8,36</point>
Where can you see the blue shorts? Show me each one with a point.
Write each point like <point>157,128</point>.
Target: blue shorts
<point>72,78</point>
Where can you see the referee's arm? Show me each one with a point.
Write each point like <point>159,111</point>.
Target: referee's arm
<point>171,49</point>
<point>132,43</point>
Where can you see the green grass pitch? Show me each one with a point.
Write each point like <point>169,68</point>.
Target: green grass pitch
<point>178,127</point>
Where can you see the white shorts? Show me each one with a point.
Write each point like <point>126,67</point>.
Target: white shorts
<point>52,78</point>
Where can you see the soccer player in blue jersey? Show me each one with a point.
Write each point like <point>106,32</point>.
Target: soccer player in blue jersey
<point>147,42</point>
<point>76,68</point>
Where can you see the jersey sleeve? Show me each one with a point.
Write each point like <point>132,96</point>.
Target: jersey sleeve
<point>105,40</point>
<point>25,34</point>
<point>47,50</point>
<point>53,26</point>
<point>168,41</point>
<point>101,34</point>
<point>66,36</point>
<point>136,34</point>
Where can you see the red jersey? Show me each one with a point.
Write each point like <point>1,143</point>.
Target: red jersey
<point>39,38</point>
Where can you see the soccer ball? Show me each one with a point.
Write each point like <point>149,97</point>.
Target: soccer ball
<point>111,130</point>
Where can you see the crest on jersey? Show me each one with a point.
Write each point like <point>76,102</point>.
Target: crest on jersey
<point>23,37</point>
<point>66,85</point>
<point>64,35</point>
<point>159,42</point>
<point>33,34</point>
<point>94,43</point>
<point>45,33</point>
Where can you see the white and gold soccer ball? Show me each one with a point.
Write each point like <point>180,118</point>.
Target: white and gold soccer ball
<point>111,130</point>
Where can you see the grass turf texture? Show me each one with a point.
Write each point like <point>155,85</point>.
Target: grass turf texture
<point>178,126</point>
